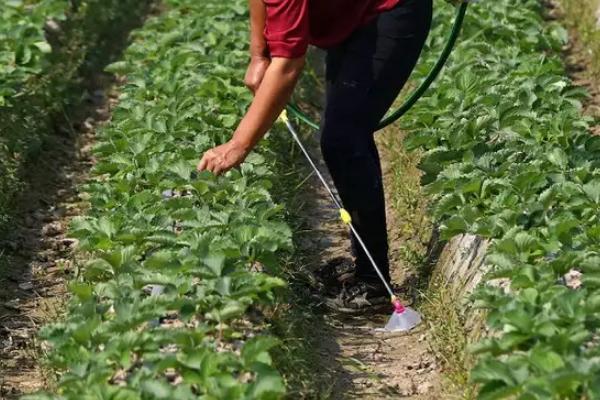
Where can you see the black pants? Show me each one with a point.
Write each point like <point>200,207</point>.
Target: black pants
<point>364,76</point>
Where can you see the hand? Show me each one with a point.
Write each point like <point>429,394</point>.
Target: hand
<point>256,72</point>
<point>222,158</point>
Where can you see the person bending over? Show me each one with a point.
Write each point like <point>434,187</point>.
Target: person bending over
<point>372,47</point>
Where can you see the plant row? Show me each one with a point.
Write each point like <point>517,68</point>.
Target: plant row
<point>23,55</point>
<point>171,302</point>
<point>23,47</point>
<point>46,48</point>
<point>509,157</point>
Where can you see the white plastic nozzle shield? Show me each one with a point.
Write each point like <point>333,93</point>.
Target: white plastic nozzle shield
<point>403,321</point>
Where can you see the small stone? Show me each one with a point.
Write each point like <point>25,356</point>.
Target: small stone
<point>178,380</point>
<point>13,304</point>
<point>52,26</point>
<point>26,286</point>
<point>103,114</point>
<point>70,242</point>
<point>424,387</point>
<point>40,215</point>
<point>257,267</point>
<point>86,149</point>
<point>573,279</point>
<point>52,229</point>
<point>87,126</point>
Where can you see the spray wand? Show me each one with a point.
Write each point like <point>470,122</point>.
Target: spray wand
<point>403,318</point>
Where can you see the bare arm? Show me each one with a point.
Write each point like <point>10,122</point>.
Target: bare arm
<point>271,79</point>
<point>270,99</point>
<point>272,96</point>
<point>258,17</point>
<point>259,51</point>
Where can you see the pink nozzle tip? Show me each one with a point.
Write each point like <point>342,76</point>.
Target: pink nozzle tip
<point>398,307</point>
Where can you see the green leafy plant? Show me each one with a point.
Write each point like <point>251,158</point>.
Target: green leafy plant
<point>509,157</point>
<point>154,223</point>
<point>47,48</point>
<point>23,47</point>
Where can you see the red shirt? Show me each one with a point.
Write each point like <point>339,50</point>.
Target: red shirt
<point>294,24</point>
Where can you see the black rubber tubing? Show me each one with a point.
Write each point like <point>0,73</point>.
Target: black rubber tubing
<point>461,11</point>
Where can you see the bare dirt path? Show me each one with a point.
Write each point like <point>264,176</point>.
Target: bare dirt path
<point>579,60</point>
<point>37,257</point>
<point>361,363</point>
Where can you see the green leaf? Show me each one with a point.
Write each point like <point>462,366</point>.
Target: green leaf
<point>119,67</point>
<point>98,269</point>
<point>558,157</point>
<point>592,190</point>
<point>268,384</point>
<point>83,291</point>
<point>492,370</point>
<point>546,360</point>
<point>43,46</point>
<point>215,261</point>
<point>256,349</point>
<point>157,389</point>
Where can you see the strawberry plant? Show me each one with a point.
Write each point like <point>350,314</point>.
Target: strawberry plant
<point>22,43</point>
<point>161,309</point>
<point>23,54</point>
<point>509,157</point>
<point>46,48</point>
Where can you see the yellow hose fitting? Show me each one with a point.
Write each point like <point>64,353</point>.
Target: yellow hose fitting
<point>284,116</point>
<point>345,216</point>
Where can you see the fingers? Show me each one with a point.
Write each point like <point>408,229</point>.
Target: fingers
<point>212,162</point>
<point>208,162</point>
<point>203,164</point>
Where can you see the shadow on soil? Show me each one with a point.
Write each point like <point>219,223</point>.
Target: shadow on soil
<point>35,254</point>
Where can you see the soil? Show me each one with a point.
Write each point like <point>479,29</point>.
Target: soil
<point>579,62</point>
<point>577,66</point>
<point>36,255</point>
<point>360,362</point>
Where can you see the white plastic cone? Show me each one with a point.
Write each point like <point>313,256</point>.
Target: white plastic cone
<point>403,319</point>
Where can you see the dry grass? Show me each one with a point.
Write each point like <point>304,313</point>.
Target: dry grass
<point>583,16</point>
<point>448,338</point>
<point>412,227</point>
